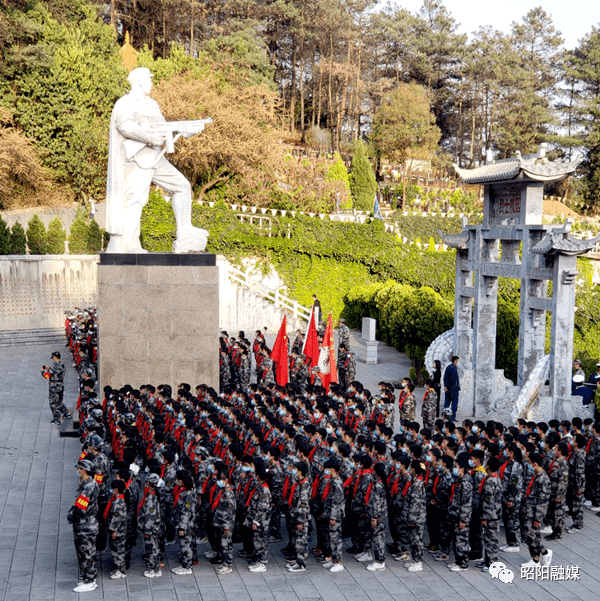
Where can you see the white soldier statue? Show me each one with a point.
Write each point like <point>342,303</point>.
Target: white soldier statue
<point>139,139</point>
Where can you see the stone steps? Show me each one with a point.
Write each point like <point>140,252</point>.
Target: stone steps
<point>38,337</point>
<point>70,427</point>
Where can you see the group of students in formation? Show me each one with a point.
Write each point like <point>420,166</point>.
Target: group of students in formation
<point>235,360</point>
<point>266,464</point>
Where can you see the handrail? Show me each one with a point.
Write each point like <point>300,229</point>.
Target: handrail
<point>274,296</point>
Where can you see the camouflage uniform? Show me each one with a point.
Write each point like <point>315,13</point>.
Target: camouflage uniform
<point>535,505</point>
<point>116,521</point>
<point>333,510</point>
<point>576,486</point>
<point>299,498</point>
<point>150,524</point>
<point>428,411</point>
<point>344,335</point>
<point>512,490</point>
<point>245,372</point>
<point>557,506</point>
<point>224,371</point>
<point>301,374</point>
<point>350,367</point>
<point>357,523</point>
<point>459,511</point>
<point>376,509</point>
<point>414,516</point>
<point>441,498</point>
<point>398,525</point>
<point>276,478</point>
<point>183,517</point>
<point>259,514</point>
<point>83,517</point>
<point>407,411</point>
<point>491,512</point>
<point>223,520</point>
<point>56,389</point>
<point>342,380</point>
<point>267,366</point>
<point>475,528</point>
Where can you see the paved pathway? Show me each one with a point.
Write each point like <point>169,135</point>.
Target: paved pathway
<point>37,557</point>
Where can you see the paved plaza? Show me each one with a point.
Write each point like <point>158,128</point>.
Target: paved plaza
<point>37,556</point>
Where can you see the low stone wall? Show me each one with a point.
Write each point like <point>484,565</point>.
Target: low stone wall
<point>36,290</point>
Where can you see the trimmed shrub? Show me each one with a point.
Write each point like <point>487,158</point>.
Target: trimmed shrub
<point>56,237</point>
<point>37,237</point>
<point>18,240</point>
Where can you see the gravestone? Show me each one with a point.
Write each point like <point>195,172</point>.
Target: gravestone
<point>367,350</point>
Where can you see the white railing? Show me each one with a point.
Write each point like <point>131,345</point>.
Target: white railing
<point>273,296</point>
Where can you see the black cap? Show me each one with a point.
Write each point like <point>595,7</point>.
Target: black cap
<point>56,354</point>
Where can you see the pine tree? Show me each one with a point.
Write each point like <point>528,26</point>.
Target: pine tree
<point>18,240</point>
<point>4,238</point>
<point>56,237</point>
<point>94,245</point>
<point>338,172</point>
<point>78,240</point>
<point>37,237</point>
<point>362,179</point>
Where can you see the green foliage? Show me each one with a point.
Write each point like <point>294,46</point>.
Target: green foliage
<point>507,337</point>
<point>94,238</point>
<point>407,318</point>
<point>586,343</point>
<point>37,237</point>
<point>362,179</point>
<point>18,240</point>
<point>56,237</point>
<point>158,227</point>
<point>78,239</point>
<point>4,238</point>
<point>338,172</point>
<point>64,96</point>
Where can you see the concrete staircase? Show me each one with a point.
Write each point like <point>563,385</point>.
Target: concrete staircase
<point>49,336</point>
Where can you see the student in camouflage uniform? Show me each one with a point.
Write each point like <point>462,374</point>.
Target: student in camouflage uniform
<point>475,533</point>
<point>224,370</point>
<point>441,496</point>
<point>558,472</point>
<point>333,514</point>
<point>184,506</point>
<point>459,510</point>
<point>576,486</point>
<point>511,474</point>
<point>276,479</point>
<point>115,522</point>
<point>83,517</point>
<point>245,371</point>
<point>491,512</point>
<point>257,518</point>
<point>428,410</point>
<point>341,360</point>
<point>535,504</point>
<point>414,515</point>
<point>55,372</point>
<point>299,511</point>
<point>343,335</point>
<point>150,525</point>
<point>350,367</point>
<point>376,513</point>
<point>407,406</point>
<point>222,512</point>
<point>398,525</point>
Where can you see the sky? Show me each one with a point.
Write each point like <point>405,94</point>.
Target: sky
<point>573,18</point>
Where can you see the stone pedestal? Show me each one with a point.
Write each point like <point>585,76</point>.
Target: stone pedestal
<point>158,319</point>
<point>367,351</point>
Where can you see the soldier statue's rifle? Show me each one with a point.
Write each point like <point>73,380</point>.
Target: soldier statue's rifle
<point>172,131</point>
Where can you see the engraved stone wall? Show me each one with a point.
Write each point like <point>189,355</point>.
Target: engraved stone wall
<point>36,290</point>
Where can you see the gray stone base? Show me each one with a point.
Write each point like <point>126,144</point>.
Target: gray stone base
<point>158,320</point>
<point>367,351</point>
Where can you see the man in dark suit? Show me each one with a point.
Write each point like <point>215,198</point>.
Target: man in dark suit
<point>452,386</point>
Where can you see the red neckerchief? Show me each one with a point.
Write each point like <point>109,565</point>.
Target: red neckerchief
<point>494,475</point>
<point>250,496</point>
<point>315,487</point>
<point>326,489</point>
<point>176,492</point>
<point>530,485</point>
<point>109,504</point>
<point>368,494</point>
<point>286,484</point>
<point>213,506</point>
<point>435,483</point>
<point>147,492</point>
<point>503,469</point>
<point>587,446</point>
<point>291,497</point>
<point>406,487</point>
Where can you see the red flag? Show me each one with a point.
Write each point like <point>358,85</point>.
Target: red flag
<point>311,344</point>
<point>279,355</point>
<point>327,362</point>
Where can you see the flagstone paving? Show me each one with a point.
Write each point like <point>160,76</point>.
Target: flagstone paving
<point>37,557</point>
